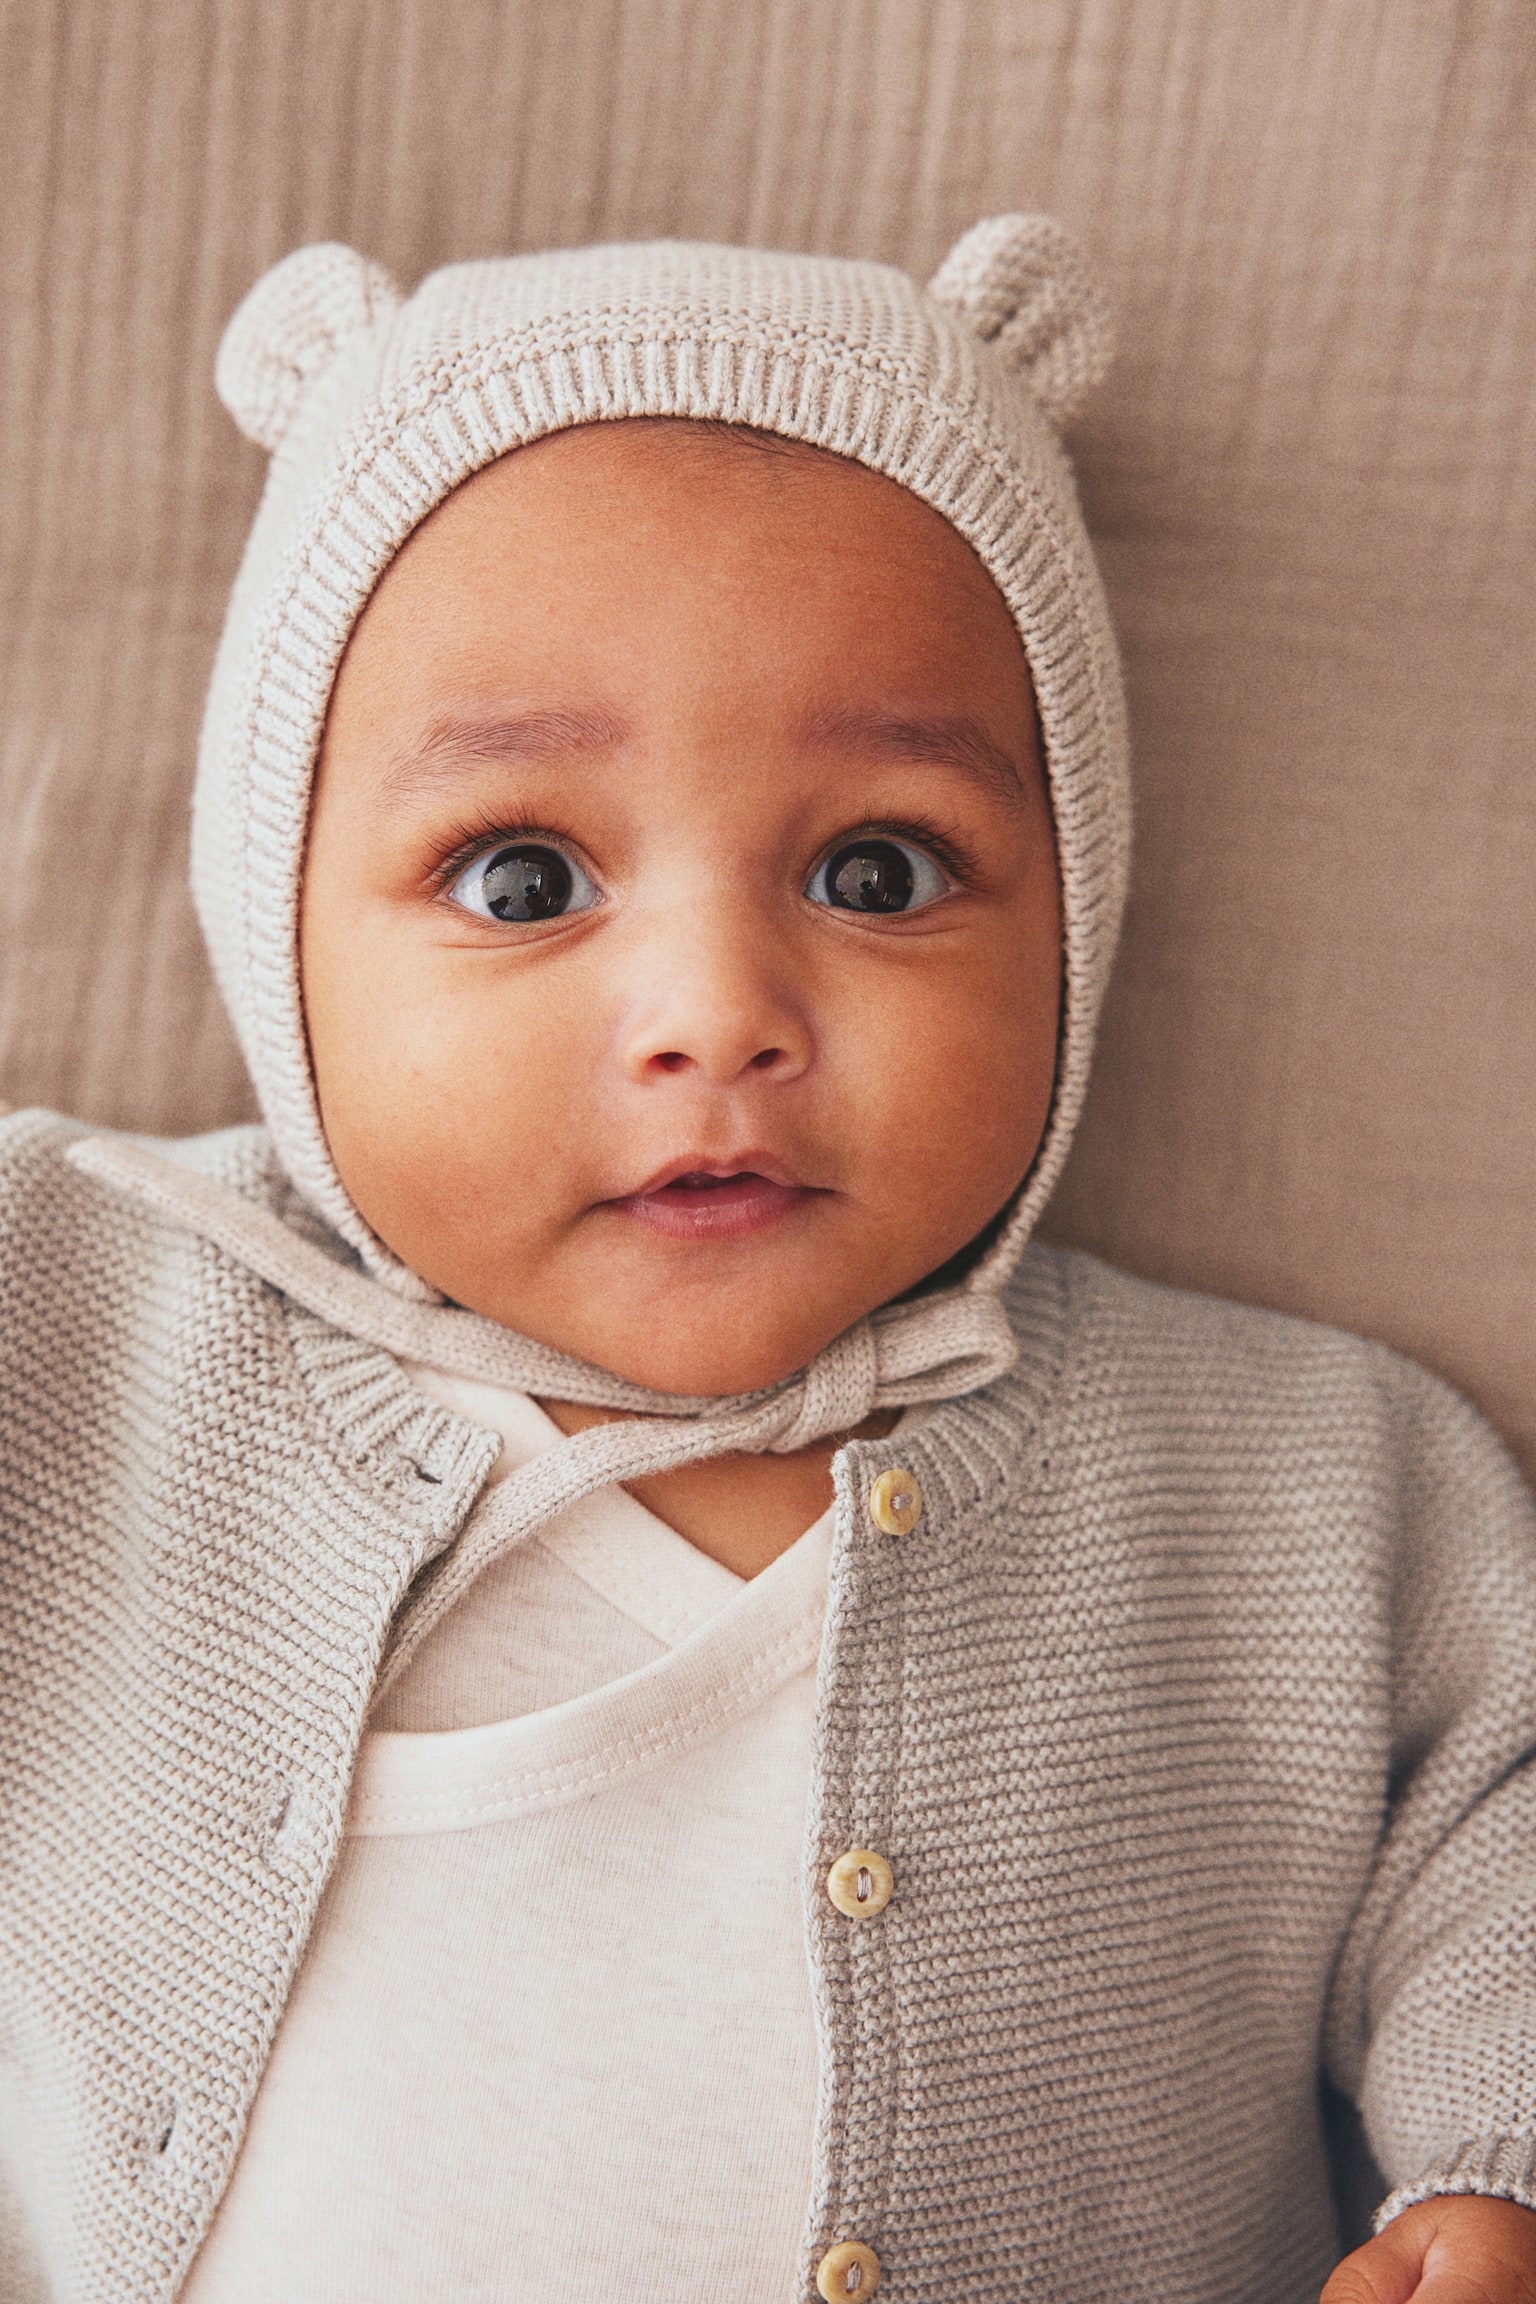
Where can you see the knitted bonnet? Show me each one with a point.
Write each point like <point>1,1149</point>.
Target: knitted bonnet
<point>375,406</point>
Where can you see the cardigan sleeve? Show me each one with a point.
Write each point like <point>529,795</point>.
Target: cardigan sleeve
<point>1432,2018</point>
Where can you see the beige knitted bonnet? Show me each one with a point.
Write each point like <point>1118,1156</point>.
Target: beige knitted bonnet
<point>375,406</point>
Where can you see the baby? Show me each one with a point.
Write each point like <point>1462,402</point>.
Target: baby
<point>612,1684</point>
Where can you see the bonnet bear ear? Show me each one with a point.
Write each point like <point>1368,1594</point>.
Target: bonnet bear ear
<point>290,327</point>
<point>1021,283</point>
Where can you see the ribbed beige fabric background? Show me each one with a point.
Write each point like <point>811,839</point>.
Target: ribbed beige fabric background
<point>1311,481</point>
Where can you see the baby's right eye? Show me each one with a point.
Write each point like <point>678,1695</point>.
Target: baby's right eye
<point>525,881</point>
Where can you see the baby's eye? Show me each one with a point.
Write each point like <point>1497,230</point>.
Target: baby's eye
<point>877,875</point>
<point>524,881</point>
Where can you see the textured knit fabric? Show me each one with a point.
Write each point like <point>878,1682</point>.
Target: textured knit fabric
<point>553,2028</point>
<point>376,409</point>
<point>1194,1716</point>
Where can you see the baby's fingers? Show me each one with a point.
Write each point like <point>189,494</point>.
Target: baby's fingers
<point>1385,2271</point>
<point>1455,2250</point>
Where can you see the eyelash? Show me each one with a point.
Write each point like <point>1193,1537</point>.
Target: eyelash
<point>942,841</point>
<point>458,848</point>
<point>470,838</point>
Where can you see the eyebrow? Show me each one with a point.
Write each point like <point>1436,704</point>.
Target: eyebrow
<point>951,741</point>
<point>458,741</point>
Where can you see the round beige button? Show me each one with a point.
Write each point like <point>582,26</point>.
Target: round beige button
<point>849,2269</point>
<point>861,1884</point>
<point>895,1500</point>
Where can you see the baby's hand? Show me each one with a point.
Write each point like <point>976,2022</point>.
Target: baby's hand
<point>1457,2249</point>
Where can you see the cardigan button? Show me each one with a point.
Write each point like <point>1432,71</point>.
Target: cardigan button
<point>895,1500</point>
<point>861,1884</point>
<point>849,2269</point>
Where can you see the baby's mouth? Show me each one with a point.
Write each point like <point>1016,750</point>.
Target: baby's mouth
<point>711,1203</point>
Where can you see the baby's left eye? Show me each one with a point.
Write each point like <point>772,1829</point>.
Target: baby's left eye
<point>877,875</point>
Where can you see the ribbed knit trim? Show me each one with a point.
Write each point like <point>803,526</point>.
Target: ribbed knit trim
<point>971,1454</point>
<point>1495,2167</point>
<point>370,1403</point>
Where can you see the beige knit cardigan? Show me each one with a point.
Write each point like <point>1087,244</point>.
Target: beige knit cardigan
<point>1194,1717</point>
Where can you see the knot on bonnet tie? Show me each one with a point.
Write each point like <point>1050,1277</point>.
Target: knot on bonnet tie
<point>937,1348</point>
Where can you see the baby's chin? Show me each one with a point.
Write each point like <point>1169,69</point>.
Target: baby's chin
<point>690,1342</point>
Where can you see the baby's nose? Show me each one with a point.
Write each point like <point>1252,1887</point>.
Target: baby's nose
<point>714,1044</point>
<point>721,1014</point>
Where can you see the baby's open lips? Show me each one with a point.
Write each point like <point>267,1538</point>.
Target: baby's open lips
<point>697,1172</point>
<point>702,1199</point>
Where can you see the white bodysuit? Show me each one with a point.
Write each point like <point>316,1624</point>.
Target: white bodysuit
<point>553,2031</point>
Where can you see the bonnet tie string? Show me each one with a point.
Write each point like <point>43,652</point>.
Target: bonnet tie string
<point>936,1348</point>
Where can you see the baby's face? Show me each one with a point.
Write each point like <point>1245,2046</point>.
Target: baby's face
<point>680,927</point>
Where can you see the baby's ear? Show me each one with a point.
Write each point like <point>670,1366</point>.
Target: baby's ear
<point>1021,283</point>
<point>290,327</point>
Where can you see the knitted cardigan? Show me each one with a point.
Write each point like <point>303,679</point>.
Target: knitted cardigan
<point>1193,1716</point>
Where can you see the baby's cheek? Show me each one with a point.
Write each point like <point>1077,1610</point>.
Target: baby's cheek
<point>454,1114</point>
<point>955,1092</point>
